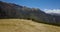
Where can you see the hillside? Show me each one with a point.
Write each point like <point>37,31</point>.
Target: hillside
<point>11,10</point>
<point>20,25</point>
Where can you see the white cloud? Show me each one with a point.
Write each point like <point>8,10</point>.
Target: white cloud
<point>52,10</point>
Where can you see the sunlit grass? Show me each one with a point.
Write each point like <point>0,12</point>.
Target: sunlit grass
<point>20,25</point>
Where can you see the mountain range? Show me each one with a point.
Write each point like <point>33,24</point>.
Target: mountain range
<point>11,10</point>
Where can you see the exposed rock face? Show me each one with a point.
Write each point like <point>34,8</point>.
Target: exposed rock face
<point>8,10</point>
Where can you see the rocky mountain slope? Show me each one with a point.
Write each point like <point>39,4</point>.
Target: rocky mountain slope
<point>9,10</point>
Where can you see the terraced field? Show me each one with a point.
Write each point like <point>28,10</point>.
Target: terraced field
<point>20,25</point>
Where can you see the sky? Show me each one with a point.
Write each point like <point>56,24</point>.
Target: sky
<point>45,5</point>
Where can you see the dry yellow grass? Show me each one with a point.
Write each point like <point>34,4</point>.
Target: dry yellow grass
<point>20,25</point>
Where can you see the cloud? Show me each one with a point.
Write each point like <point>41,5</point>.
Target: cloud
<point>52,10</point>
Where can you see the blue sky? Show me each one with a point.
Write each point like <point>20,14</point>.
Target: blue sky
<point>42,4</point>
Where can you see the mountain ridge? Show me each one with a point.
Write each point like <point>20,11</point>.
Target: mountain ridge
<point>8,11</point>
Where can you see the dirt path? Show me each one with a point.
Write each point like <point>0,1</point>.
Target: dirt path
<point>20,25</point>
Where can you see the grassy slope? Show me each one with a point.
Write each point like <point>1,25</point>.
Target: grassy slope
<point>20,25</point>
